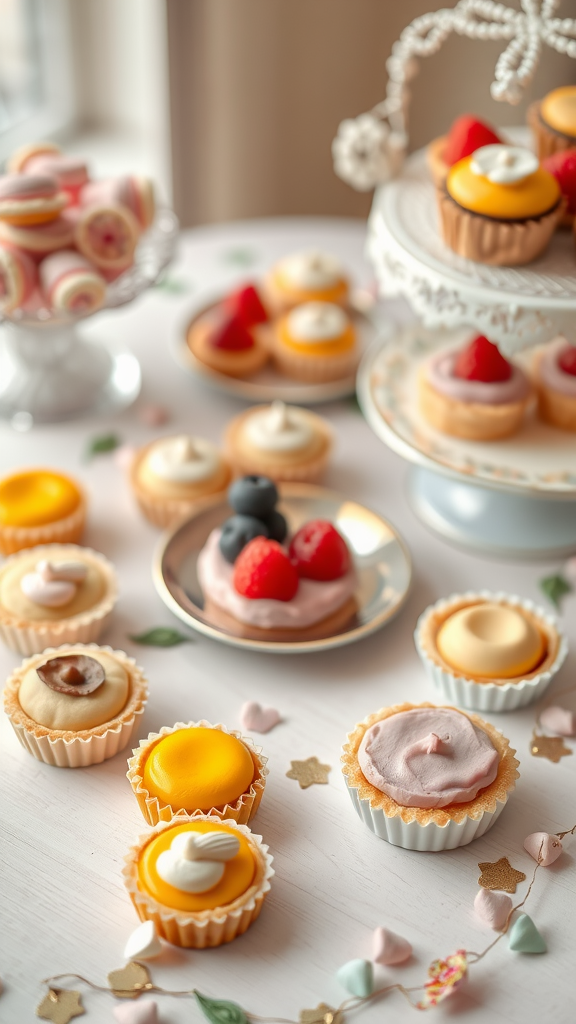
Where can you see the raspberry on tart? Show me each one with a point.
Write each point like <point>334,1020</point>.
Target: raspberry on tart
<point>263,570</point>
<point>466,135</point>
<point>319,552</point>
<point>567,361</point>
<point>222,340</point>
<point>563,166</point>
<point>231,334</point>
<point>482,360</point>
<point>245,304</point>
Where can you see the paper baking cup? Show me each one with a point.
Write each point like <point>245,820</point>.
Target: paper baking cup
<point>488,696</point>
<point>315,369</point>
<point>302,468</point>
<point>154,810</point>
<point>65,749</point>
<point>167,512</point>
<point>63,531</point>
<point>401,825</point>
<point>34,637</point>
<point>207,928</point>
<point>435,160</point>
<point>548,141</point>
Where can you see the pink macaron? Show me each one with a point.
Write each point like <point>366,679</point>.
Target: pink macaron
<point>107,236</point>
<point>136,192</point>
<point>70,172</point>
<point>18,278</point>
<point>40,239</point>
<point>70,284</point>
<point>21,157</point>
<point>30,199</point>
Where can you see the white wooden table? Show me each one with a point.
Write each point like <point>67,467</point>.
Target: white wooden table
<point>64,833</point>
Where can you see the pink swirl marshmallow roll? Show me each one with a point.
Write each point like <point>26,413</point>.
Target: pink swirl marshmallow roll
<point>136,192</point>
<point>107,236</point>
<point>71,284</point>
<point>18,278</point>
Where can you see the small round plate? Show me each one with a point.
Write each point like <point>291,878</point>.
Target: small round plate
<point>538,459</point>
<point>380,555</point>
<point>269,384</point>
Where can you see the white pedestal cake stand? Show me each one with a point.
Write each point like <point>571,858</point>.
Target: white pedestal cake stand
<point>49,372</point>
<point>512,498</point>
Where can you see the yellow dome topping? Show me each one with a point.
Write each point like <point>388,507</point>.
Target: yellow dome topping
<point>36,497</point>
<point>238,872</point>
<point>528,197</point>
<point>491,640</point>
<point>198,769</point>
<point>558,110</point>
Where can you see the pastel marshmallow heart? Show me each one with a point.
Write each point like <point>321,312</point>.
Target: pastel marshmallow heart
<point>143,943</point>
<point>389,948</point>
<point>47,593</point>
<point>524,936</point>
<point>255,718</point>
<point>357,977</point>
<point>73,572</point>
<point>145,1011</point>
<point>559,720</point>
<point>543,847</point>
<point>493,908</point>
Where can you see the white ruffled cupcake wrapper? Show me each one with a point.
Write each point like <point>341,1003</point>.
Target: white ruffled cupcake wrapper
<point>78,752</point>
<point>467,693</point>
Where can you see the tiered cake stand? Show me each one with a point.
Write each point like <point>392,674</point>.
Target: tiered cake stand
<point>50,372</point>
<point>512,498</point>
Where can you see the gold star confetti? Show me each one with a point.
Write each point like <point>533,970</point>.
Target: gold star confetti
<point>500,874</point>
<point>323,1014</point>
<point>309,772</point>
<point>130,981</point>
<point>60,1005</point>
<point>551,747</point>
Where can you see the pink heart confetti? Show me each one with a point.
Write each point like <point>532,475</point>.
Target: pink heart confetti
<point>545,848</point>
<point>493,908</point>
<point>145,1011</point>
<point>389,948</point>
<point>153,415</point>
<point>124,456</point>
<point>559,720</point>
<point>255,718</point>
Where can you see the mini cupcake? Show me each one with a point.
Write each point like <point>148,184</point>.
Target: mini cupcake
<point>202,881</point>
<point>76,705</point>
<point>491,652</point>
<point>553,121</point>
<point>555,370</point>
<point>197,767</point>
<point>499,206</point>
<point>55,594</point>
<point>39,506</point>
<point>466,135</point>
<point>428,778</point>
<point>226,344</point>
<point>279,441</point>
<point>474,393</point>
<point>171,476</point>
<point>315,342</point>
<point>310,276</point>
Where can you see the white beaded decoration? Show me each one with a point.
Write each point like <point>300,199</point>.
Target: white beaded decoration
<point>526,31</point>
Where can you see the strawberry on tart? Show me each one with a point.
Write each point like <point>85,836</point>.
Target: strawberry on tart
<point>229,338</point>
<point>466,135</point>
<point>556,384</point>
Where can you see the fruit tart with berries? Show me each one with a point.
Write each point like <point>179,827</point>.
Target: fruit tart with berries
<point>231,336</point>
<point>555,372</point>
<point>467,134</point>
<point>260,583</point>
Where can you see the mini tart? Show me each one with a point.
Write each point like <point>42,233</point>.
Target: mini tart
<point>553,121</point>
<point>295,279</point>
<point>40,506</point>
<point>432,828</point>
<point>205,928</point>
<point>556,388</point>
<point>481,692</point>
<point>305,464</point>
<point>495,223</point>
<point>315,361</point>
<point>242,363</point>
<point>155,808</point>
<point>164,503</point>
<point>80,621</point>
<point>67,748</point>
<point>435,160</point>
<point>474,421</point>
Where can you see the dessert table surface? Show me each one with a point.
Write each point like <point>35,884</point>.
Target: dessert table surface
<point>65,832</point>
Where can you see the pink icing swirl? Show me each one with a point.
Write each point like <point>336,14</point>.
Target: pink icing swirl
<point>551,373</point>
<point>440,373</point>
<point>428,757</point>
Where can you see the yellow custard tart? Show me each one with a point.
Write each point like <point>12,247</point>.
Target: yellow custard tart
<point>279,441</point>
<point>308,276</point>
<point>493,652</point>
<point>172,475</point>
<point>75,705</point>
<point>315,342</point>
<point>553,121</point>
<point>39,506</point>
<point>197,767</point>
<point>55,594</point>
<point>499,206</point>
<point>202,881</point>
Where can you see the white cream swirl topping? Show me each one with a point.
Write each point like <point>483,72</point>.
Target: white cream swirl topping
<point>279,428</point>
<point>53,584</point>
<point>504,165</point>
<point>311,271</point>
<point>316,322</point>
<point>183,459</point>
<point>195,863</point>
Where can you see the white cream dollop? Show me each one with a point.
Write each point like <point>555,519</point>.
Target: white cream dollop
<point>316,322</point>
<point>183,459</point>
<point>312,270</point>
<point>194,863</point>
<point>504,165</point>
<point>53,585</point>
<point>279,428</point>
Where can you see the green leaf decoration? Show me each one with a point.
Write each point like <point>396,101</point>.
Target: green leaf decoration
<point>218,1011</point>
<point>172,285</point>
<point>160,636</point>
<point>102,444</point>
<point>355,404</point>
<point>555,588</point>
<point>239,257</point>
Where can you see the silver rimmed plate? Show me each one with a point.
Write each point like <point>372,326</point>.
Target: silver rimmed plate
<point>380,555</point>
<point>269,384</point>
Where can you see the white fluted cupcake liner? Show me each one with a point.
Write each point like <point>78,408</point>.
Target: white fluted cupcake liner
<point>487,696</point>
<point>207,928</point>
<point>63,531</point>
<point>78,752</point>
<point>426,838</point>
